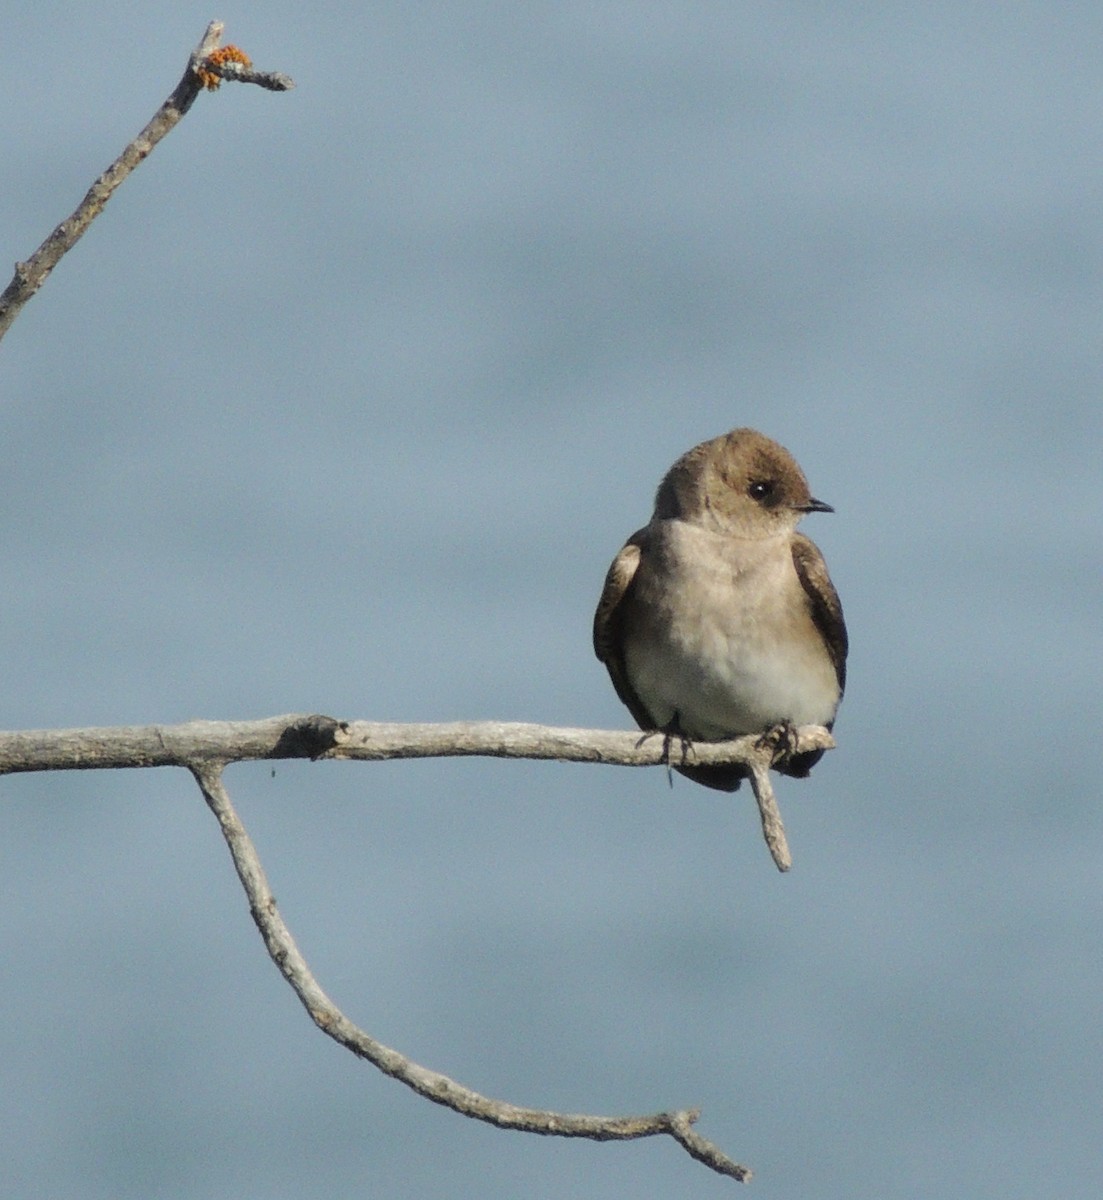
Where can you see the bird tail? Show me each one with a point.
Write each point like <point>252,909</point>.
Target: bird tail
<point>723,779</point>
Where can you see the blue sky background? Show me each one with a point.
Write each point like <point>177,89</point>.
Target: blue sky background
<point>344,405</point>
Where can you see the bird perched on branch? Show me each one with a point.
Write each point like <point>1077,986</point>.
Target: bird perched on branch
<point>718,618</point>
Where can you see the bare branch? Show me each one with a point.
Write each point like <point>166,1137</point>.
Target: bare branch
<point>316,736</point>
<point>201,70</point>
<point>430,1084</point>
<point>205,748</point>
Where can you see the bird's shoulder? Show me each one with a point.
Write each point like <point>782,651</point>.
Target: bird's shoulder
<point>618,581</point>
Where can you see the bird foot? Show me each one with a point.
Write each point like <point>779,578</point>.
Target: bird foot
<point>670,736</point>
<point>781,739</point>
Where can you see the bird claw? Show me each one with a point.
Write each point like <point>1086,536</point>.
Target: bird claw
<point>670,734</point>
<point>781,739</point>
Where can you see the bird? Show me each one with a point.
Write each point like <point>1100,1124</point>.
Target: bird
<point>718,618</point>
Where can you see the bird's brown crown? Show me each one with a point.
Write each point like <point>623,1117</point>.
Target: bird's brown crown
<point>741,483</point>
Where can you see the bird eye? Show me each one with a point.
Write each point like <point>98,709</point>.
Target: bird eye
<point>761,490</point>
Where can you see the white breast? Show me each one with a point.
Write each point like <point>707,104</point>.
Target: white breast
<point>720,634</point>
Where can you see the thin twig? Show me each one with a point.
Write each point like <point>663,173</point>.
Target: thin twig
<point>430,1084</point>
<point>273,81</point>
<point>773,830</point>
<point>31,275</point>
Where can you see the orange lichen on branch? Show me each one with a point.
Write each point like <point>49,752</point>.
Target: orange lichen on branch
<point>226,54</point>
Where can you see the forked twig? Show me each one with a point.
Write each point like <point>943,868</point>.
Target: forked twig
<point>204,65</point>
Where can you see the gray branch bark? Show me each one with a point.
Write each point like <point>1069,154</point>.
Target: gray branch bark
<point>205,748</point>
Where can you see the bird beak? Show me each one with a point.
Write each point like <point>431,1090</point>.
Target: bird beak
<point>816,506</point>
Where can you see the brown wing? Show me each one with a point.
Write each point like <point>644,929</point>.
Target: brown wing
<point>827,611</point>
<point>608,642</point>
